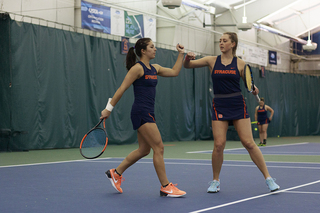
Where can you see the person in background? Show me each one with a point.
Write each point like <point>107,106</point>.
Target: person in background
<point>261,116</point>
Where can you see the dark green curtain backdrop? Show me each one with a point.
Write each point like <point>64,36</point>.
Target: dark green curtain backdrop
<point>5,77</point>
<point>62,80</point>
<point>295,100</point>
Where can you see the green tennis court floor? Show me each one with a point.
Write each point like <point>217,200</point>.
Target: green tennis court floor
<point>173,150</point>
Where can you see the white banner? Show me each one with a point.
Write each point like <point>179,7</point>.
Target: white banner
<point>117,22</point>
<point>150,27</point>
<point>251,54</point>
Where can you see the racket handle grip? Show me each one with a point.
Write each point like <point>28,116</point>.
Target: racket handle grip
<point>257,98</point>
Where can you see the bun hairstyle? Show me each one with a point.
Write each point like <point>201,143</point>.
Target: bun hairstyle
<point>262,99</point>
<point>135,51</point>
<point>234,38</point>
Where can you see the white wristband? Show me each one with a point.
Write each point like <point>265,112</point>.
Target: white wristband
<point>109,107</point>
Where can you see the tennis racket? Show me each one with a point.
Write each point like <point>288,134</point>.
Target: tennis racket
<point>248,80</point>
<point>94,142</point>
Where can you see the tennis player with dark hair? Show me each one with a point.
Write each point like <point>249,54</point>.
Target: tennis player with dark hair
<point>143,76</point>
<point>229,107</point>
<point>261,115</point>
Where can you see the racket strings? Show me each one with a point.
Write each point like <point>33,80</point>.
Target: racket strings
<point>94,143</point>
<point>95,138</point>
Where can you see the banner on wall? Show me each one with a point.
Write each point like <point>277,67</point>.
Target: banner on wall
<point>251,54</point>
<point>95,17</point>
<point>150,27</point>
<point>124,45</point>
<point>117,22</point>
<point>278,59</point>
<point>134,27</point>
<point>272,57</point>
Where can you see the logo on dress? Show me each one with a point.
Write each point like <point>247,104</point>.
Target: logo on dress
<point>220,116</point>
<point>223,72</point>
<point>151,77</point>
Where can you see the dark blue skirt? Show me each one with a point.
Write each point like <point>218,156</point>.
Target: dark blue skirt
<point>229,108</point>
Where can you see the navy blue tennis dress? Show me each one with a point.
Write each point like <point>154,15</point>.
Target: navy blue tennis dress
<point>263,116</point>
<point>228,103</point>
<point>144,89</point>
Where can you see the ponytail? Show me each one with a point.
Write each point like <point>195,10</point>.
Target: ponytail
<point>131,58</point>
<point>135,51</point>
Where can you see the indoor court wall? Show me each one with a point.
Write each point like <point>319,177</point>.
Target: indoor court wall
<point>61,81</point>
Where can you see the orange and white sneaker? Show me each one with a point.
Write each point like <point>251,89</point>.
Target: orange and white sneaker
<point>171,191</point>
<point>115,179</point>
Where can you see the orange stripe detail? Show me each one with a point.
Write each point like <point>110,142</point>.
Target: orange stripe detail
<point>244,108</point>
<point>152,117</point>
<point>215,111</point>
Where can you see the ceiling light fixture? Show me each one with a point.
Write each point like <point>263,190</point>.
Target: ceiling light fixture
<point>171,4</point>
<point>244,26</point>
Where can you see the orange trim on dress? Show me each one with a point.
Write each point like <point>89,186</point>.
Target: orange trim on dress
<point>244,108</point>
<point>215,111</point>
<point>152,117</point>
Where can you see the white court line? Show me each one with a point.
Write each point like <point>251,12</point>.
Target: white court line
<point>298,192</point>
<point>209,164</point>
<point>209,160</point>
<point>101,160</point>
<point>291,144</point>
<point>204,151</point>
<point>47,163</point>
<point>290,153</point>
<point>245,161</point>
<point>252,198</point>
<point>284,167</point>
